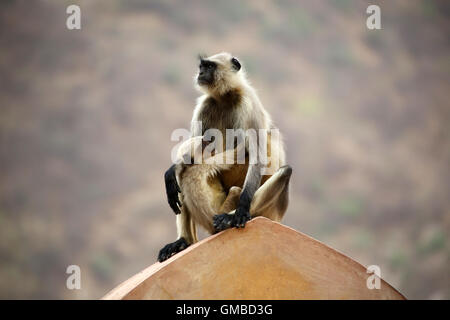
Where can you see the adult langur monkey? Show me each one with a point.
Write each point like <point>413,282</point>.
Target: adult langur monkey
<point>217,195</point>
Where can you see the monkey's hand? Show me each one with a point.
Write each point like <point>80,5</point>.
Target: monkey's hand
<point>172,248</point>
<point>172,190</point>
<point>226,220</point>
<point>241,216</point>
<point>223,221</point>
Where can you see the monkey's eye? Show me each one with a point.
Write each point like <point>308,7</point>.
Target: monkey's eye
<point>207,65</point>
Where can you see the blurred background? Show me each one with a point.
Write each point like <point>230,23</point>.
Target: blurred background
<point>86,117</point>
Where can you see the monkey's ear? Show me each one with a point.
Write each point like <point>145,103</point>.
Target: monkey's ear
<point>236,64</point>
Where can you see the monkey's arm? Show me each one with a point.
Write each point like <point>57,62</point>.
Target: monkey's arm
<point>172,189</point>
<point>251,184</point>
<point>185,155</point>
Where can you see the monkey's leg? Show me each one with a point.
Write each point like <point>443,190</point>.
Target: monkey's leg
<point>224,221</point>
<point>203,191</point>
<point>186,226</point>
<point>187,235</point>
<point>271,199</point>
<point>232,200</point>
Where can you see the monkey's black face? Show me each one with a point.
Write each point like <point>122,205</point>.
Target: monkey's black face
<point>206,72</point>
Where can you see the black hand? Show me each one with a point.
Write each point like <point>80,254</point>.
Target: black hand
<point>172,190</point>
<point>225,220</point>
<point>241,216</point>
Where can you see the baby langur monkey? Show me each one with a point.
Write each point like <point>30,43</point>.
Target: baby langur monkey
<point>213,194</point>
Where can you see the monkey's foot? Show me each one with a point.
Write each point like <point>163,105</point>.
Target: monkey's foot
<point>225,221</point>
<point>172,248</point>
